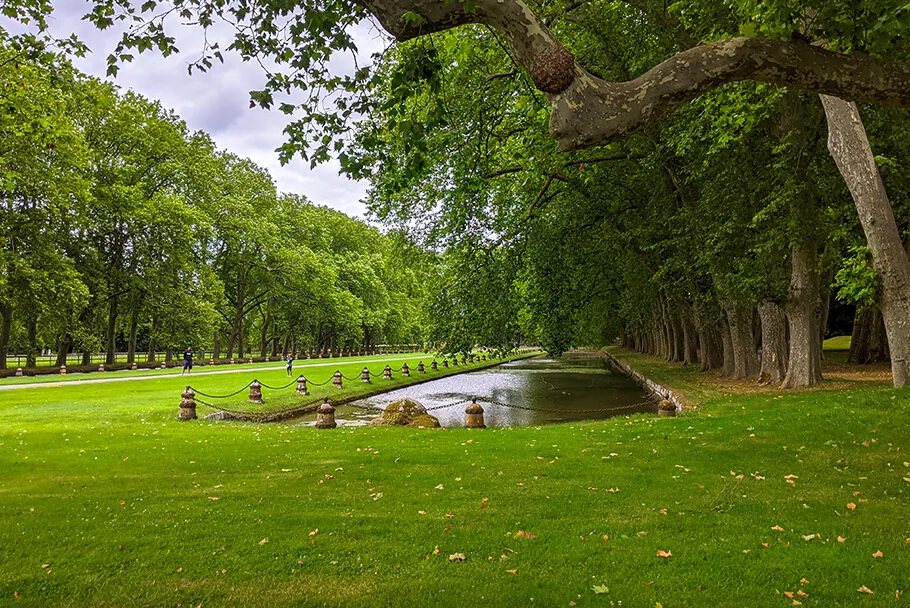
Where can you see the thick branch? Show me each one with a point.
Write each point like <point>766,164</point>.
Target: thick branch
<point>591,111</point>
<point>500,172</point>
<point>588,111</point>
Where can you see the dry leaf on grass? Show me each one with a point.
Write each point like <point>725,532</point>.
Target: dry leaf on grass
<point>778,528</point>
<point>851,506</point>
<point>664,554</point>
<point>523,534</point>
<point>865,589</point>
<point>314,532</point>
<point>264,541</point>
<point>878,554</point>
<point>457,557</point>
<point>512,571</point>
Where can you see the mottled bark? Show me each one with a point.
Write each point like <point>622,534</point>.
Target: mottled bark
<point>31,336</point>
<point>63,347</point>
<point>153,340</point>
<point>860,336</point>
<point>849,145</point>
<point>774,343</point>
<point>216,345</point>
<point>263,335</point>
<point>745,359</point>
<point>804,361</point>
<point>690,339</point>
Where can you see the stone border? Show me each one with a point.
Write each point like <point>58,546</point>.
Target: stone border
<point>655,391</point>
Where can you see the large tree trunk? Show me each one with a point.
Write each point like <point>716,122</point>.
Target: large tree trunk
<point>110,334</point>
<point>134,330</point>
<point>860,336</point>
<point>216,345</point>
<point>31,333</point>
<point>63,348</point>
<point>153,339</point>
<point>850,148</point>
<point>745,359</point>
<point>729,365</point>
<point>804,364</point>
<point>690,339</point>
<point>774,343</point>
<point>878,340</point>
<point>5,326</point>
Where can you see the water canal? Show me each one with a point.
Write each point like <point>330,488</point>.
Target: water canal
<point>568,384</point>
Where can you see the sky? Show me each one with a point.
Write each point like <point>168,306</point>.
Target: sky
<point>218,101</point>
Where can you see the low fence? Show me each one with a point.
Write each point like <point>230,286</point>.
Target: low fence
<point>47,363</point>
<point>325,409</point>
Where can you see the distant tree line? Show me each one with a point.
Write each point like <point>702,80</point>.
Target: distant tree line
<point>122,230</point>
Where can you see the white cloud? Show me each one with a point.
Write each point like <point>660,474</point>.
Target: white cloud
<point>217,101</point>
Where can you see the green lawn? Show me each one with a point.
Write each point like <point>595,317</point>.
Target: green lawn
<point>837,343</point>
<point>107,500</point>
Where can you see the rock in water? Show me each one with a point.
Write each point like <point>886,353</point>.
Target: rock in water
<point>406,413</point>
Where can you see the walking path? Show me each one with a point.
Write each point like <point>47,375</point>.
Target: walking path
<point>279,365</point>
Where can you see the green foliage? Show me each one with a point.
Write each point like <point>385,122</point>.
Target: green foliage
<point>856,281</point>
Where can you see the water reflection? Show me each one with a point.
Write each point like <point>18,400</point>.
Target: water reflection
<point>567,384</point>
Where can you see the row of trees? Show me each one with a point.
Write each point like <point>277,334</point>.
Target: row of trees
<point>122,230</point>
<point>721,233</point>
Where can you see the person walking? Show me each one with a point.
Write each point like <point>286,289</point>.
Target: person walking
<point>290,363</point>
<point>187,360</point>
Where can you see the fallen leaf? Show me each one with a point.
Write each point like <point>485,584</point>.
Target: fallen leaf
<point>16,594</point>
<point>809,537</point>
<point>664,554</point>
<point>788,594</point>
<point>421,512</point>
<point>851,506</point>
<point>865,589</point>
<point>878,554</point>
<point>600,589</point>
<point>802,593</point>
<point>841,539</point>
<point>606,538</point>
<point>439,487</point>
<point>45,565</point>
<point>457,557</point>
<point>523,534</point>
<point>512,571</point>
<point>314,532</point>
<point>436,550</point>
<point>264,541</point>
<point>778,528</point>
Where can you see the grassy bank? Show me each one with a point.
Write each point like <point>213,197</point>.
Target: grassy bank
<point>107,500</point>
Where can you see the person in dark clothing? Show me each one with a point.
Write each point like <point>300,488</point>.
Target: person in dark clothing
<point>187,360</point>
<point>290,363</point>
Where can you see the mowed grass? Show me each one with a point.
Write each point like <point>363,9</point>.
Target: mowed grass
<point>107,500</point>
<point>837,343</point>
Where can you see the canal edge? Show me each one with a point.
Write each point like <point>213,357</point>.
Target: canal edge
<point>378,391</point>
<point>655,391</point>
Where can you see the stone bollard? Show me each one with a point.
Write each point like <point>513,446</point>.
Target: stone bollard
<point>211,362</point>
<point>134,367</point>
<point>266,358</point>
<point>232,360</point>
<point>325,416</point>
<point>18,372</point>
<point>188,405</point>
<point>420,368</point>
<point>434,366</point>
<point>474,416</point>
<point>666,408</point>
<point>483,357</point>
<point>365,375</point>
<point>470,358</point>
<point>251,360</point>
<point>101,367</point>
<point>336,380</point>
<point>463,360</point>
<point>445,362</point>
<point>62,370</point>
<point>301,386</point>
<point>387,372</point>
<point>405,370</point>
<point>255,392</point>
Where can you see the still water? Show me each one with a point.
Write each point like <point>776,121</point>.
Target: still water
<point>567,384</point>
